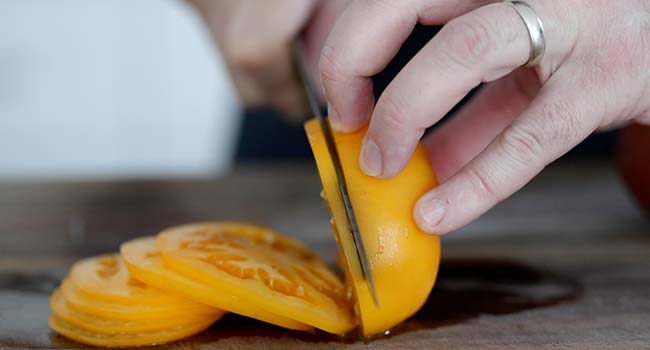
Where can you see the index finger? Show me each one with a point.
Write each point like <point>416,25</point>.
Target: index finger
<point>364,40</point>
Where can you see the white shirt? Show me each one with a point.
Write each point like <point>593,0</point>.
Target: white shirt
<point>111,89</point>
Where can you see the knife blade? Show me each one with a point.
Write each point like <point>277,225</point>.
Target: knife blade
<point>312,98</point>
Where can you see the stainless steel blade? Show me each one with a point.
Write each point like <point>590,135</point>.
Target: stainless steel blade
<point>312,98</point>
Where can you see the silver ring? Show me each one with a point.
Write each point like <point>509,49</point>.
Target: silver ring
<point>535,30</point>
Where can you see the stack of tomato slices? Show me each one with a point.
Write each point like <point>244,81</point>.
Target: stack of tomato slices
<point>174,285</point>
<point>178,283</point>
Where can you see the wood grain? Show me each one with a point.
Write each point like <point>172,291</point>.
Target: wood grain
<point>563,264</point>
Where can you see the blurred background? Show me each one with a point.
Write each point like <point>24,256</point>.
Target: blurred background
<point>111,109</point>
<point>111,89</point>
<point>131,90</point>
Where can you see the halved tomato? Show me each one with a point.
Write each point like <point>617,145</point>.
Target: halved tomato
<point>404,260</point>
<point>260,267</point>
<point>85,336</point>
<point>91,323</point>
<point>145,263</point>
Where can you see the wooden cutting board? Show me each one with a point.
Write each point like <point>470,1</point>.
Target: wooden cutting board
<point>564,264</point>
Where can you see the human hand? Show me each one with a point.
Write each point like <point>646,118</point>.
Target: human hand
<point>255,37</point>
<point>594,75</point>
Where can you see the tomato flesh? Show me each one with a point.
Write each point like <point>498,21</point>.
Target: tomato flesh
<point>260,267</point>
<point>106,277</point>
<point>145,263</point>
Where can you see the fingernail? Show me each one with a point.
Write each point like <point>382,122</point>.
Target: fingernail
<point>395,158</point>
<point>335,121</point>
<point>431,211</point>
<point>371,162</point>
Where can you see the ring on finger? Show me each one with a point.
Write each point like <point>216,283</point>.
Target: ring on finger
<point>535,29</point>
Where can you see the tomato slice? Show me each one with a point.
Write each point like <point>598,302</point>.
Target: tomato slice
<point>63,310</point>
<point>403,259</point>
<point>123,311</point>
<point>260,267</point>
<point>106,277</point>
<point>145,263</point>
<point>160,336</point>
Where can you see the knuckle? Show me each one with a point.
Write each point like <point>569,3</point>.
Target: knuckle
<point>520,144</point>
<point>329,66</point>
<point>393,111</point>
<point>482,184</point>
<point>556,128</point>
<point>468,40</point>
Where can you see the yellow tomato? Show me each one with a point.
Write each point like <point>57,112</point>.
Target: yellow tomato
<point>112,309</point>
<point>65,312</point>
<point>125,339</point>
<point>109,291</point>
<point>106,277</point>
<point>120,311</point>
<point>145,263</point>
<point>404,260</point>
<point>260,267</point>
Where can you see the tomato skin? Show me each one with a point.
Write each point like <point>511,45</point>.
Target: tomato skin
<point>404,260</point>
<point>117,339</point>
<point>92,323</point>
<point>78,300</point>
<point>101,304</point>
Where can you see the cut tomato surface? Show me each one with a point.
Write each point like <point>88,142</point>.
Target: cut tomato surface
<point>260,267</point>
<point>404,260</point>
<point>106,277</point>
<point>160,336</point>
<point>145,263</point>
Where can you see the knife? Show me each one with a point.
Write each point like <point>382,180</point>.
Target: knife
<point>312,98</point>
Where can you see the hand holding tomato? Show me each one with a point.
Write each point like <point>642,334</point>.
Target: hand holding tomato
<point>593,75</point>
